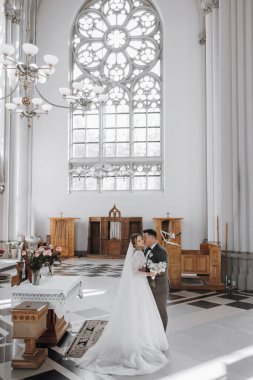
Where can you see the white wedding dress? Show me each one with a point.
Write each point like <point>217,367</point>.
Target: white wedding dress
<point>134,341</point>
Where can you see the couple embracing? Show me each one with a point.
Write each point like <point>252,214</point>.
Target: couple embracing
<point>134,341</point>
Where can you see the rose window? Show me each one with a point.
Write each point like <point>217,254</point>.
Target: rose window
<point>118,36</point>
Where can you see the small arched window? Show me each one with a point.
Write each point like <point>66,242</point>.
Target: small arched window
<point>117,43</point>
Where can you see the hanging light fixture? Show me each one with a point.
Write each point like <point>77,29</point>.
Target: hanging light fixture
<point>84,96</point>
<point>28,74</point>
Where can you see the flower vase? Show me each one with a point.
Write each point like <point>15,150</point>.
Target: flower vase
<point>50,270</point>
<point>14,253</point>
<point>36,277</point>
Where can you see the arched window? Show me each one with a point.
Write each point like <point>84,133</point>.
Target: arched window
<point>118,43</point>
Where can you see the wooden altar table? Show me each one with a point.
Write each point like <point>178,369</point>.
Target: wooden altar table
<point>58,291</point>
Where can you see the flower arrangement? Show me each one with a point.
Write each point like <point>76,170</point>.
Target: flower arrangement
<point>35,257</point>
<point>51,254</point>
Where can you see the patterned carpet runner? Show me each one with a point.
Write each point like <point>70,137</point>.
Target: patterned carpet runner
<point>88,335</point>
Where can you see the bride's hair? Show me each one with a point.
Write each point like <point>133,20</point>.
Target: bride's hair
<point>133,239</point>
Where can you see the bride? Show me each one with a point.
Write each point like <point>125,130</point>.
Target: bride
<point>134,341</point>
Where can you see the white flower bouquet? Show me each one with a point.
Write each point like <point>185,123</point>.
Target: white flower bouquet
<point>156,268</point>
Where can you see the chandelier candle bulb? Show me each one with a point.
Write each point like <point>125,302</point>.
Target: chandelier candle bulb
<point>78,86</point>
<point>10,106</point>
<point>51,59</point>
<point>46,107</point>
<point>17,101</point>
<point>7,49</point>
<point>30,49</point>
<point>64,91</point>
<point>37,101</point>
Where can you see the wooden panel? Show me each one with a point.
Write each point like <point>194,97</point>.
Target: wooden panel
<point>202,264</point>
<point>114,247</point>
<point>135,227</point>
<point>104,228</point>
<point>174,254</point>
<point>174,275</point>
<point>188,264</point>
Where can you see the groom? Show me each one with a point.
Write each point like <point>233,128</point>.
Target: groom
<point>156,253</point>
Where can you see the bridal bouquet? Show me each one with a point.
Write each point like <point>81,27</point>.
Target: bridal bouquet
<point>156,268</point>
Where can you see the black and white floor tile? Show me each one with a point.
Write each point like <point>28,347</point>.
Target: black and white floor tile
<point>210,333</point>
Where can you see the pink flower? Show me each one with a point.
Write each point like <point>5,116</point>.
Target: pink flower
<point>58,249</point>
<point>23,253</point>
<point>37,254</point>
<point>41,249</point>
<point>51,246</point>
<point>50,253</point>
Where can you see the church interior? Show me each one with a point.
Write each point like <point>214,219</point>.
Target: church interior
<point>118,116</point>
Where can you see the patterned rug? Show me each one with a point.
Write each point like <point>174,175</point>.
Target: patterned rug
<point>88,335</point>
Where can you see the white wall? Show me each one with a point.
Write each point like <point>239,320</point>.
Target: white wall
<point>184,155</point>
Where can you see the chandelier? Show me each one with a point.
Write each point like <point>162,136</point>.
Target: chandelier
<point>84,96</point>
<point>28,74</point>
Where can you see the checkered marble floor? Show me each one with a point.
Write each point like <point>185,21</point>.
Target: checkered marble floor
<point>210,333</point>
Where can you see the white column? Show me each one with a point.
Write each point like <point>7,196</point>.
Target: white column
<point>236,120</point>
<point>16,216</point>
<point>11,19</point>
<point>2,115</point>
<point>211,12</point>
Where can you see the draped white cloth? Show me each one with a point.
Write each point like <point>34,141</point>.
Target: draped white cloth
<point>57,290</point>
<point>134,341</point>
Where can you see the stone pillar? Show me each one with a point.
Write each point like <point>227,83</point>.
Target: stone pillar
<point>16,215</point>
<point>236,120</point>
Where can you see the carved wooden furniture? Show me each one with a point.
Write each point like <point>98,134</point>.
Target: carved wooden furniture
<point>58,292</point>
<point>62,234</point>
<point>29,322</point>
<point>171,225</point>
<point>109,236</point>
<point>23,269</point>
<point>205,263</point>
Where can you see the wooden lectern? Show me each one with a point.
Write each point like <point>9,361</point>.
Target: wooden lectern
<point>171,225</point>
<point>62,234</point>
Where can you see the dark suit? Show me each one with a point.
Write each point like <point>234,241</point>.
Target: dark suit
<point>161,289</point>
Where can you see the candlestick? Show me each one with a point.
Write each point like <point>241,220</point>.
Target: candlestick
<point>218,231</point>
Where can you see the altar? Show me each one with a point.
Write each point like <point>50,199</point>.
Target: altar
<point>58,291</point>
